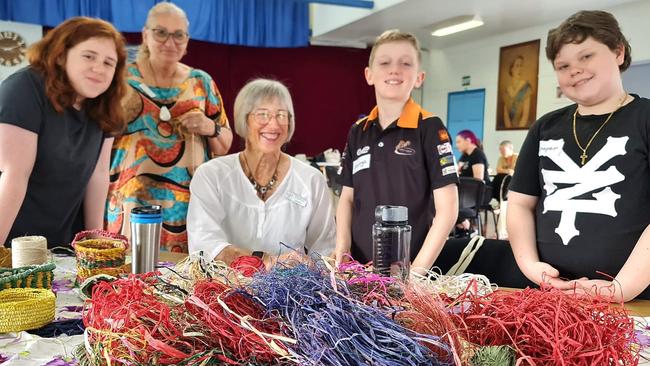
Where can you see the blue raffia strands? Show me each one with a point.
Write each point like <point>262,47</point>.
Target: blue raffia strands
<point>334,329</point>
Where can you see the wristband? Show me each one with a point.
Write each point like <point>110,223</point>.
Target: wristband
<point>217,130</point>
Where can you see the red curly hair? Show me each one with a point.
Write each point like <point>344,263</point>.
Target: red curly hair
<point>48,56</point>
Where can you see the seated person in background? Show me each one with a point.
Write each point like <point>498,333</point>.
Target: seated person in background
<point>473,163</point>
<point>578,203</point>
<point>508,159</point>
<point>261,199</point>
<point>505,167</point>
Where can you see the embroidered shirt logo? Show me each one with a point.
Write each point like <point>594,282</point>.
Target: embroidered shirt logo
<point>444,148</point>
<point>363,150</point>
<point>447,159</point>
<point>443,135</point>
<point>404,148</point>
<point>580,180</point>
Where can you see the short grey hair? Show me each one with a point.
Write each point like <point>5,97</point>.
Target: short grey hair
<point>506,143</point>
<point>164,7</point>
<point>258,91</point>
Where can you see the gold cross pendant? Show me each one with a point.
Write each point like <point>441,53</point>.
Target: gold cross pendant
<point>583,157</point>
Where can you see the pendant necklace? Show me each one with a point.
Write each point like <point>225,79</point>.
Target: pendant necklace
<point>584,156</point>
<point>164,114</point>
<point>262,190</point>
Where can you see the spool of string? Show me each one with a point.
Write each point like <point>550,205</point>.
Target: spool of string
<point>28,250</point>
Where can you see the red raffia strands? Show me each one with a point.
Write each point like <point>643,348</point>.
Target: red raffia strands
<point>426,313</point>
<point>133,325</point>
<point>226,330</point>
<point>549,327</point>
<point>248,265</point>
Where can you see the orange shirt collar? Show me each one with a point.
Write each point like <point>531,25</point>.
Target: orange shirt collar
<point>409,118</point>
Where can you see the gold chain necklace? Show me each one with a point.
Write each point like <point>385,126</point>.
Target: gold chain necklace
<point>584,155</point>
<point>262,190</point>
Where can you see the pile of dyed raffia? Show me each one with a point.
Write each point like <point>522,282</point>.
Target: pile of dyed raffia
<point>308,314</point>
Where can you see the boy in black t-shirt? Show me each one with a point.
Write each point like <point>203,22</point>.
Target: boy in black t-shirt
<point>578,204</point>
<point>399,155</point>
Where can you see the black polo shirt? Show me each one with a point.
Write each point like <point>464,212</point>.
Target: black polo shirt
<point>400,165</point>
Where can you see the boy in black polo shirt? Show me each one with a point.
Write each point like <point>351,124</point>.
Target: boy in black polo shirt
<point>399,155</point>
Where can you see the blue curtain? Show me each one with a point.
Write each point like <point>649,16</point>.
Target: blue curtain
<point>258,23</point>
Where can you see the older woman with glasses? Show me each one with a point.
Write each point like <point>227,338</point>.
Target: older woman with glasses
<point>260,201</point>
<point>176,122</point>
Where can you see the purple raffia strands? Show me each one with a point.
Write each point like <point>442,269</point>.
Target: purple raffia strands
<point>333,329</point>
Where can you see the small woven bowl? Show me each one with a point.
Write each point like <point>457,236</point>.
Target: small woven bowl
<point>25,309</point>
<point>100,252</point>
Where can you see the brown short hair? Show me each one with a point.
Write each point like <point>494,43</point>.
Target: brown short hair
<point>600,25</point>
<point>48,57</point>
<point>394,35</point>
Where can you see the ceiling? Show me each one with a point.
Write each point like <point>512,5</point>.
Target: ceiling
<point>499,16</point>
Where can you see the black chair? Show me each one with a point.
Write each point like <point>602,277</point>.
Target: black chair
<point>499,191</point>
<point>470,199</point>
<point>486,207</point>
<point>500,183</point>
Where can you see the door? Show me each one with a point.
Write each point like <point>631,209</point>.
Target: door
<point>465,111</point>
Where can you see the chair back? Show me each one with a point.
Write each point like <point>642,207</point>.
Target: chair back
<point>503,190</point>
<point>470,194</point>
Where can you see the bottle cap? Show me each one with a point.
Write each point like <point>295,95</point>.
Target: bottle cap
<point>391,214</point>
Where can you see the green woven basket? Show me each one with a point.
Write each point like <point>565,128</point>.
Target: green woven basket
<point>27,277</point>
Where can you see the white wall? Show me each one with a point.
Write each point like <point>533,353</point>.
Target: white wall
<point>326,18</point>
<point>480,60</point>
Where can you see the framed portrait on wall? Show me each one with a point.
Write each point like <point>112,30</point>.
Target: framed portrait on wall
<point>517,92</point>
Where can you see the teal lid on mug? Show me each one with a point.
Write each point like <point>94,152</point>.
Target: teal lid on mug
<point>147,215</point>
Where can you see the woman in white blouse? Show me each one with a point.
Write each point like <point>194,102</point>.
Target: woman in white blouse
<point>260,200</point>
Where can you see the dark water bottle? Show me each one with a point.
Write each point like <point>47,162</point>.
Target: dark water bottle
<point>391,242</point>
<point>146,222</point>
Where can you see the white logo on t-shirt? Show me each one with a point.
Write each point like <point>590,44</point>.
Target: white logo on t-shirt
<point>580,180</point>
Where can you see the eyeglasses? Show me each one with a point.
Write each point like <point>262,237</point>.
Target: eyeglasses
<point>162,35</point>
<point>263,117</point>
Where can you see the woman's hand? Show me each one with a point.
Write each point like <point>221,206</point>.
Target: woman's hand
<point>341,253</point>
<point>197,123</point>
<point>290,258</point>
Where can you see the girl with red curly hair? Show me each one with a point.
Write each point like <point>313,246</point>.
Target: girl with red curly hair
<point>57,118</point>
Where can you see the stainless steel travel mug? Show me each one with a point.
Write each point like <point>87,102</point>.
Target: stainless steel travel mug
<point>146,222</point>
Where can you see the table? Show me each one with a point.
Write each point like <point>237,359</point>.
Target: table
<point>24,349</point>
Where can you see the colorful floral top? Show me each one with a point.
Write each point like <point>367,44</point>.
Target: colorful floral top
<point>153,161</point>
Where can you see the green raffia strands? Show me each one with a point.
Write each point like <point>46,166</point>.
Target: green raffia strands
<point>494,356</point>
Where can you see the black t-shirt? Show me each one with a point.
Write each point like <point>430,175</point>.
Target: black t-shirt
<point>588,217</point>
<point>467,161</point>
<point>67,152</point>
<point>400,165</point>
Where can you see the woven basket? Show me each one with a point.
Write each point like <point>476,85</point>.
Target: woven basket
<point>100,252</point>
<point>5,257</point>
<point>25,309</point>
<point>27,277</point>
